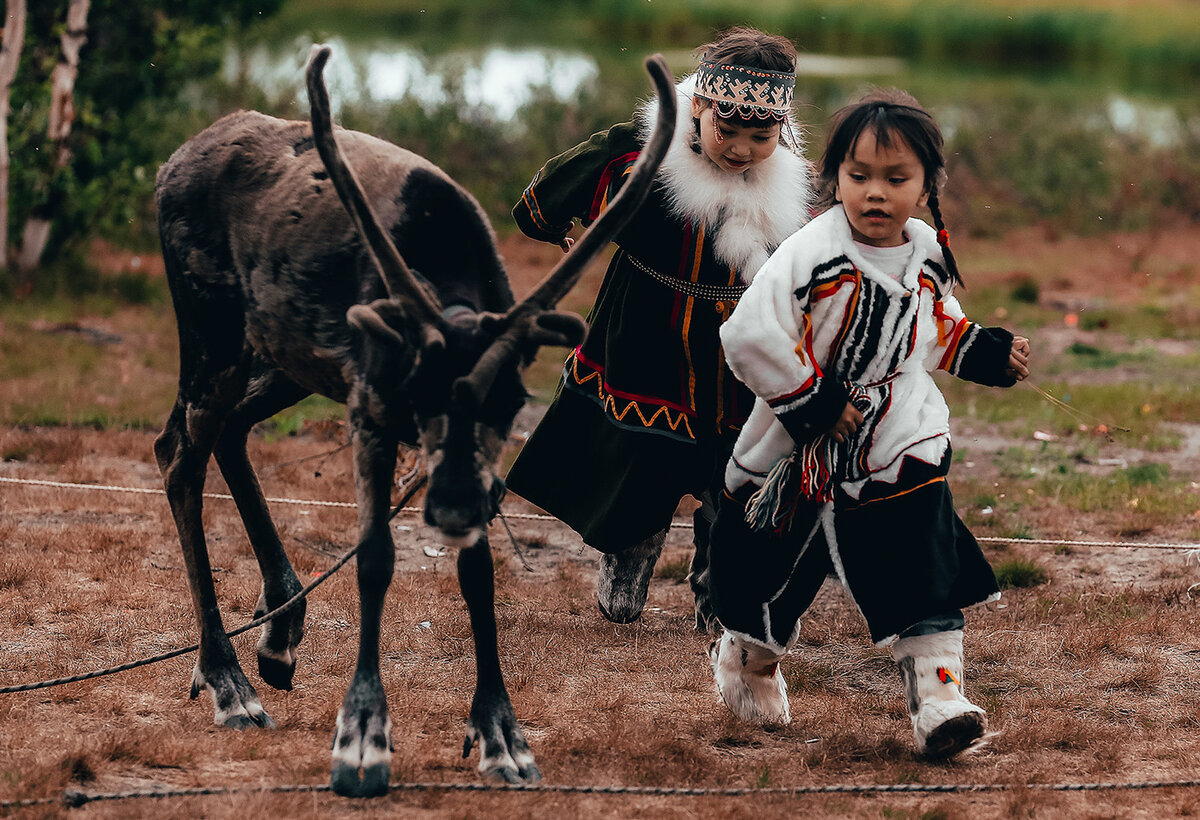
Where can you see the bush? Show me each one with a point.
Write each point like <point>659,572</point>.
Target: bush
<point>1020,573</point>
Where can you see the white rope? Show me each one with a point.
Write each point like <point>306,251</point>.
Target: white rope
<point>678,524</point>
<point>155,491</point>
<point>1063,543</point>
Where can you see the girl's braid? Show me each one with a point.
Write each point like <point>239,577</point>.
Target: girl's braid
<point>943,236</point>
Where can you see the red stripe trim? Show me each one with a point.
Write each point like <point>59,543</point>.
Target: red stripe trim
<point>804,388</point>
<point>631,396</point>
<point>952,344</point>
<point>620,164</point>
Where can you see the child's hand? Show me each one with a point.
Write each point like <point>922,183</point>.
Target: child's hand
<point>1018,359</point>
<point>566,243</point>
<point>846,426</point>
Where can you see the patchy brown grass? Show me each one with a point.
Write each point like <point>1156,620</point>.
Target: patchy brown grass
<point>1084,680</point>
<point>1086,666</point>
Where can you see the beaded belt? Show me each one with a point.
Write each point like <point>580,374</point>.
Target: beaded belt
<point>709,293</point>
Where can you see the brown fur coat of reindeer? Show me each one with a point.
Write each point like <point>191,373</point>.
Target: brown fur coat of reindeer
<point>396,304</point>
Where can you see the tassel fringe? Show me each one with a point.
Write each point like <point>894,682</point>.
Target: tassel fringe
<point>809,474</point>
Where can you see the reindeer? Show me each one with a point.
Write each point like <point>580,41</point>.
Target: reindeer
<point>397,305</point>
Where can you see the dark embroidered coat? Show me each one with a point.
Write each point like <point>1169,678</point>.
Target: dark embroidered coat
<point>647,408</point>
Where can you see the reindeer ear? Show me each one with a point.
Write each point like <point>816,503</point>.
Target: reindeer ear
<point>558,328</point>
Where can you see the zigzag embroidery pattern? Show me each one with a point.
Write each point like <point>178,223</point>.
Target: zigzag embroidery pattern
<point>610,403</point>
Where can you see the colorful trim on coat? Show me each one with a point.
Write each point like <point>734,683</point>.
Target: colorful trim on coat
<point>644,413</point>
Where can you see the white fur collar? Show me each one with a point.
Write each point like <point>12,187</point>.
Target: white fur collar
<point>747,215</point>
<point>924,246</point>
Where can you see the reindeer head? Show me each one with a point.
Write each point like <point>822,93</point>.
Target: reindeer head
<point>464,368</point>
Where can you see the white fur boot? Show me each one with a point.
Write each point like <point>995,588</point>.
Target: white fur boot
<point>749,680</point>
<point>944,721</point>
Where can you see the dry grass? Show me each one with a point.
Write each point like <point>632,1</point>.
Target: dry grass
<point>1084,680</point>
<point>1087,673</point>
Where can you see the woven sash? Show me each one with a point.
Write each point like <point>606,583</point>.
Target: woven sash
<point>696,290</point>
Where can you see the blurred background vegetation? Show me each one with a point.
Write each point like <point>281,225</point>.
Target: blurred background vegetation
<point>1078,115</point>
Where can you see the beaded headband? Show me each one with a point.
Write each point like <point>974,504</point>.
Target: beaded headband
<point>749,93</point>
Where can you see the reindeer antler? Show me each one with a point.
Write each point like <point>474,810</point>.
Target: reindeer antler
<point>399,280</point>
<point>522,319</point>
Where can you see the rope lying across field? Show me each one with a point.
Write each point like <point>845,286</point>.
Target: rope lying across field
<point>677,524</point>
<point>74,799</point>
<point>409,491</point>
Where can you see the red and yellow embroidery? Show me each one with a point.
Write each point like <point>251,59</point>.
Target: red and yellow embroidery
<point>946,676</point>
<point>625,407</point>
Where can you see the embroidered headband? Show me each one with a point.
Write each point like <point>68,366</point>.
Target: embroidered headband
<point>749,93</point>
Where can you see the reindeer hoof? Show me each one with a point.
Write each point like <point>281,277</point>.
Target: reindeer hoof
<point>277,644</point>
<point>276,671</point>
<point>347,780</point>
<point>362,749</point>
<point>235,703</point>
<point>261,720</point>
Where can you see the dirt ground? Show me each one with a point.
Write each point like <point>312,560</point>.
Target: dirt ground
<point>1087,677</point>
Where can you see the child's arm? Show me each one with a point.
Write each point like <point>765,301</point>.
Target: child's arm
<point>768,343</point>
<point>990,356</point>
<point>576,185</point>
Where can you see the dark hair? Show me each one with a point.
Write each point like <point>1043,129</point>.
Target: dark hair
<point>752,48</point>
<point>890,114</point>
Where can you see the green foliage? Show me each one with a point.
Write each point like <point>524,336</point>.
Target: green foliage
<point>1150,473</point>
<point>1026,291</point>
<point>493,159</point>
<point>676,569</point>
<point>291,421</point>
<point>1020,573</point>
<point>139,56</point>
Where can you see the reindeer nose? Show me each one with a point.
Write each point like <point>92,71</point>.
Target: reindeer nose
<point>450,519</point>
<point>454,506</point>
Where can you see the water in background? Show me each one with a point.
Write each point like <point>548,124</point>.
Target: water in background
<point>490,102</point>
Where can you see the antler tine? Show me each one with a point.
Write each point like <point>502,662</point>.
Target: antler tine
<point>566,273</point>
<point>399,280</point>
<point>521,317</point>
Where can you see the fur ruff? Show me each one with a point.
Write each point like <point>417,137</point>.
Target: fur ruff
<point>749,214</point>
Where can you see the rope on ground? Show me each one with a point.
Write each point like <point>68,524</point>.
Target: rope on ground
<point>288,605</point>
<point>677,524</point>
<point>73,798</point>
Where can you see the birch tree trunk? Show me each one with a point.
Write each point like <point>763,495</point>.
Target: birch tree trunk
<point>62,116</point>
<point>10,56</point>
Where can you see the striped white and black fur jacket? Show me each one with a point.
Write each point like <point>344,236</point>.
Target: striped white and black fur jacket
<point>820,326</point>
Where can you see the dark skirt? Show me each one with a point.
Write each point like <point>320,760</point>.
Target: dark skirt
<point>905,556</point>
<point>614,486</point>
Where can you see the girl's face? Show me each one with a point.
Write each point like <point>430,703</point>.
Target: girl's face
<point>880,189</point>
<point>740,147</point>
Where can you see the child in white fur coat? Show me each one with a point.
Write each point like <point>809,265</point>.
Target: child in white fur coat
<point>842,464</point>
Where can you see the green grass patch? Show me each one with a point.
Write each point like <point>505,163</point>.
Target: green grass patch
<point>1020,573</point>
<point>676,569</point>
<point>94,362</point>
<point>1144,493</point>
<point>291,421</point>
<point>1139,406</point>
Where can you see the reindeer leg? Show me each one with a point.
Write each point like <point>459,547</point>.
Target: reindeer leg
<point>503,751</point>
<point>268,393</point>
<point>362,742</point>
<point>182,450</point>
